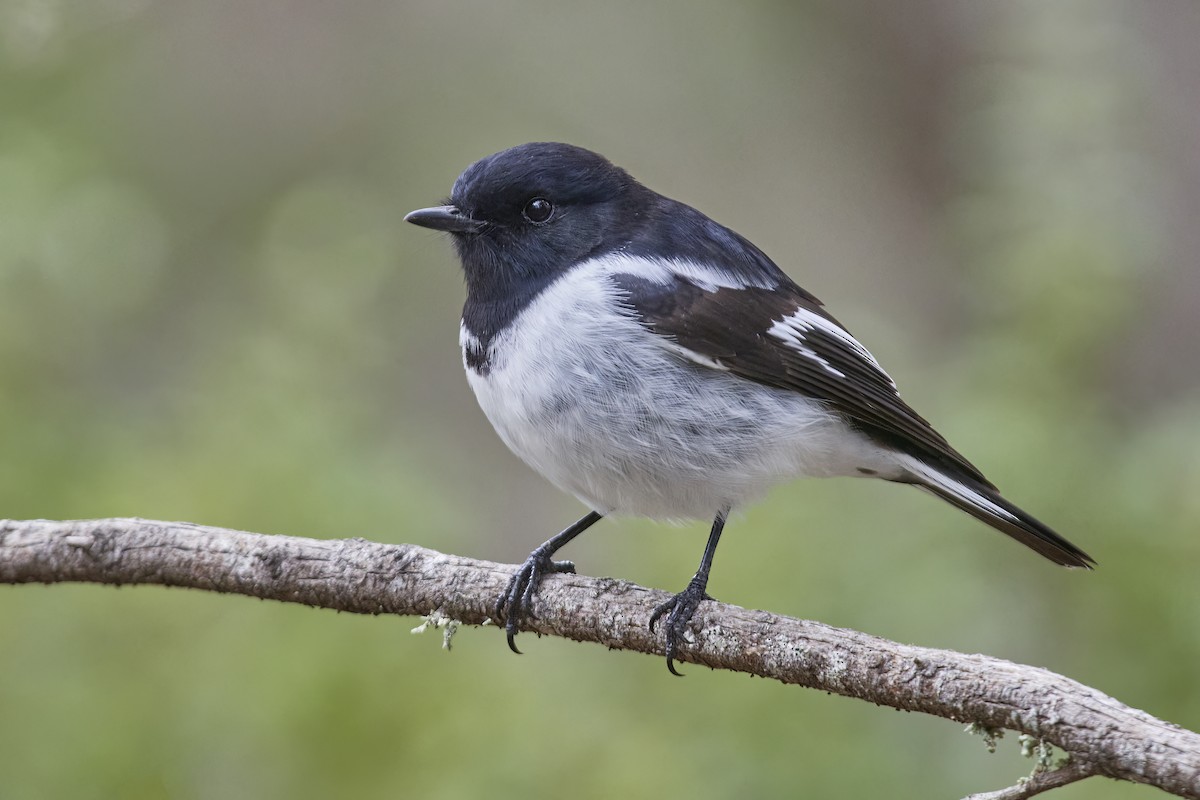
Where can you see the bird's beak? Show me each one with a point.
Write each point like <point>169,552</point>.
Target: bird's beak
<point>443,218</point>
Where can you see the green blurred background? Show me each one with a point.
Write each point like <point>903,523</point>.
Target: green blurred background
<point>211,311</point>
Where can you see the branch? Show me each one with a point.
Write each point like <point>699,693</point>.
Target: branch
<point>1042,780</point>
<point>1100,735</point>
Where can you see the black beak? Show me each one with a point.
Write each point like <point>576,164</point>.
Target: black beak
<point>443,218</point>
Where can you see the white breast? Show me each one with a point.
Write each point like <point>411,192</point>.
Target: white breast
<point>623,420</point>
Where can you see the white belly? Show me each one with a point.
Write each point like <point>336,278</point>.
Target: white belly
<point>605,410</point>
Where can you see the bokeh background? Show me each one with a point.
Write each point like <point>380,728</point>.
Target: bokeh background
<point>211,311</point>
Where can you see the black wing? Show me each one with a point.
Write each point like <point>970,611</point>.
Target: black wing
<point>782,337</point>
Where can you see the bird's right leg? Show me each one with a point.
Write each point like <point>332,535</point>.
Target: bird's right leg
<point>515,603</point>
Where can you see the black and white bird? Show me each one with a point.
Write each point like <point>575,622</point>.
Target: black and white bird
<point>654,363</point>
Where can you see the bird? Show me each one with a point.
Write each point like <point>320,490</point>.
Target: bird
<point>655,363</point>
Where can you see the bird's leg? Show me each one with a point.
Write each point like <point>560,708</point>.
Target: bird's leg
<point>514,604</point>
<point>681,607</point>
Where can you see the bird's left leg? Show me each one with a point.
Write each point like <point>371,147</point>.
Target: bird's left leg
<point>681,607</point>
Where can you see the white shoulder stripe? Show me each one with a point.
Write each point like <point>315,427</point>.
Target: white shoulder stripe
<point>708,277</point>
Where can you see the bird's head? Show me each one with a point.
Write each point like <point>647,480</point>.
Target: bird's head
<point>531,212</point>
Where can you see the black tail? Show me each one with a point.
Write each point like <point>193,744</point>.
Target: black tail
<point>985,504</point>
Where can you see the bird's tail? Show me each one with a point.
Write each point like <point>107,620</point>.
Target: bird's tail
<point>984,503</point>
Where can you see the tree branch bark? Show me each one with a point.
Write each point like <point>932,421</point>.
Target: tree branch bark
<point>1100,735</point>
<point>1043,780</point>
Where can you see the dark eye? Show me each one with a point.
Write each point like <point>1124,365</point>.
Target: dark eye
<point>538,209</point>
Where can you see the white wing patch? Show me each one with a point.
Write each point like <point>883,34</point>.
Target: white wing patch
<point>792,329</point>
<point>794,339</point>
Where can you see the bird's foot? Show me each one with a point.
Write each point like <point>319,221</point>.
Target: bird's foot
<point>515,604</point>
<point>679,610</point>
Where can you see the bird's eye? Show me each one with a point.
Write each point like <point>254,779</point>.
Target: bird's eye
<point>538,209</point>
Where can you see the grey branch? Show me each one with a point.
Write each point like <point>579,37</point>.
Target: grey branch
<point>1101,735</point>
<point>1041,781</point>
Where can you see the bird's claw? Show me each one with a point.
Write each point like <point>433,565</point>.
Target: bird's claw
<point>679,610</point>
<point>516,602</point>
